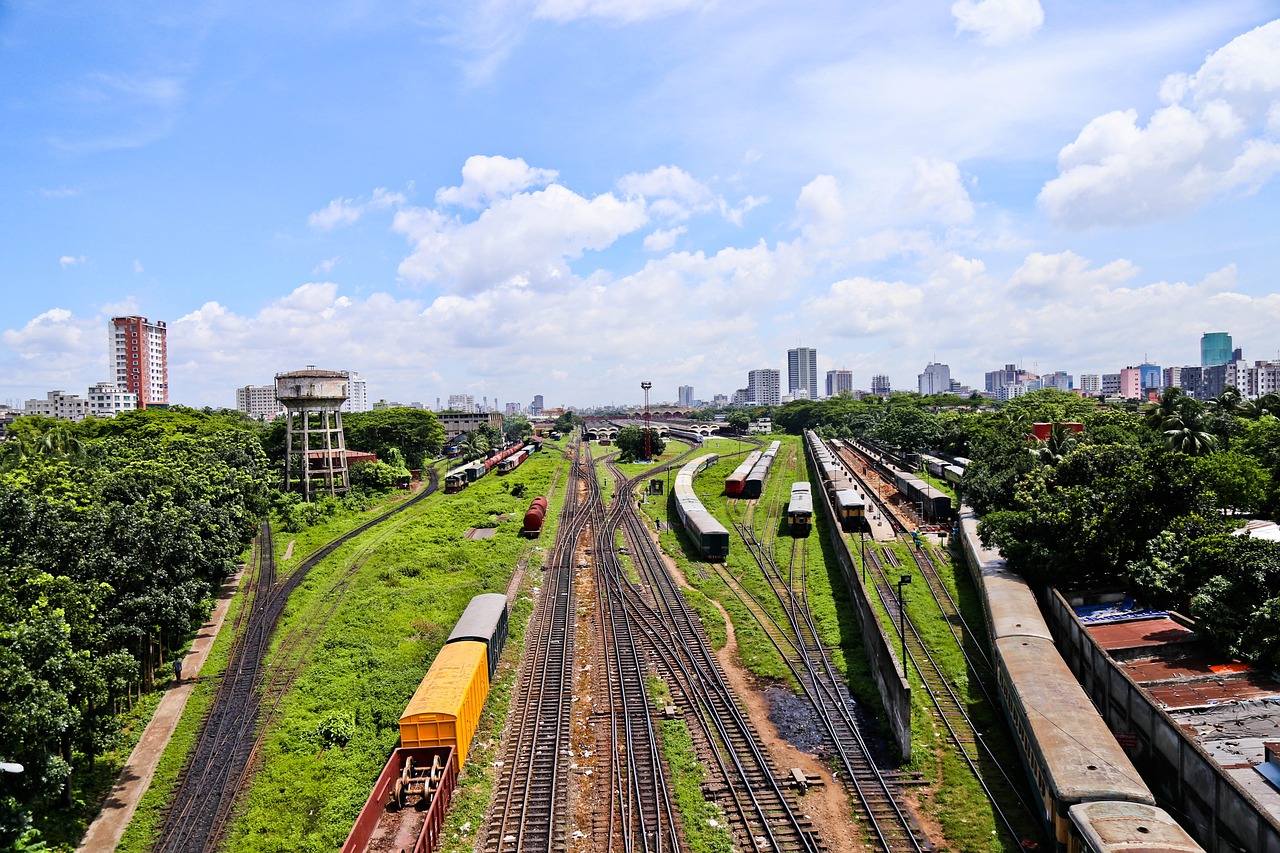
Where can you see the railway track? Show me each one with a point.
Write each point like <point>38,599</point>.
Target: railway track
<point>760,811</point>
<point>530,807</point>
<point>890,826</point>
<point>218,767</point>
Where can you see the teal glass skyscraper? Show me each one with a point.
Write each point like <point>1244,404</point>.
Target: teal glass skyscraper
<point>1215,348</point>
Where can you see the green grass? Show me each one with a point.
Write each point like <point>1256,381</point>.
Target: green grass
<point>704,826</point>
<point>388,625</point>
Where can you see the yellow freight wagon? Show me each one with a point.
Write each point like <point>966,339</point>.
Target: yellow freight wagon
<point>445,709</point>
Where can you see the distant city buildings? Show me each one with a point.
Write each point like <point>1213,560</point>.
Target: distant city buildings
<point>685,394</point>
<point>56,404</point>
<point>462,403</point>
<point>139,352</point>
<point>839,381</point>
<point>880,385</point>
<point>456,423</point>
<point>720,401</point>
<point>357,393</point>
<point>108,399</point>
<point>537,406</point>
<point>802,373</point>
<point>936,379</point>
<point>1090,383</point>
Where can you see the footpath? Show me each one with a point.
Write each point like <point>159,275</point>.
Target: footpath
<point>108,827</point>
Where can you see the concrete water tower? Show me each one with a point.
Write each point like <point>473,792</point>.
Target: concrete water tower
<point>314,446</point>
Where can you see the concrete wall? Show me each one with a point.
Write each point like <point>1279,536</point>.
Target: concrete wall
<point>895,692</point>
<point>1186,779</point>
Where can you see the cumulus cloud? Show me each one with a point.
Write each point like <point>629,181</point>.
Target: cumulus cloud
<point>325,267</point>
<point>663,239</point>
<point>938,193</point>
<point>521,241</point>
<point>997,22</point>
<point>1218,134</point>
<point>1058,276</point>
<point>137,267</point>
<point>621,11</point>
<point>488,179</point>
<point>672,193</point>
<point>70,261</point>
<point>345,211</point>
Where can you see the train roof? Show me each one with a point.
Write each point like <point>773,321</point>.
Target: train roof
<point>1118,827</point>
<point>849,497</point>
<point>1079,755</point>
<point>444,689</point>
<point>481,619</point>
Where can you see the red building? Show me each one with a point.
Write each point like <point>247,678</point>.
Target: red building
<point>141,358</point>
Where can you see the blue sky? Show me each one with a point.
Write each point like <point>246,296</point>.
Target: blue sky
<point>566,197</point>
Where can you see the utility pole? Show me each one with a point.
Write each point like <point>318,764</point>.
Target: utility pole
<point>648,450</point>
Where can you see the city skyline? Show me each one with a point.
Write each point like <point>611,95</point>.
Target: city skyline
<point>1068,187</point>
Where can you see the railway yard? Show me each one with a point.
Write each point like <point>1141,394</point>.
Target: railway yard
<point>689,667</point>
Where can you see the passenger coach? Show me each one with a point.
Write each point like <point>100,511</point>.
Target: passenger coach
<point>709,536</point>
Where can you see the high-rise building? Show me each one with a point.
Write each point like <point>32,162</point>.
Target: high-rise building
<point>462,403</point>
<point>802,372</point>
<point>1215,348</point>
<point>764,387</point>
<point>1151,376</point>
<point>936,379</point>
<point>686,396</point>
<point>838,381</point>
<point>357,393</point>
<point>1131,383</point>
<point>1111,384</point>
<point>259,402</point>
<point>1010,375</point>
<point>720,401</point>
<point>880,385</point>
<point>138,350</point>
<point>1090,383</point>
<point>537,406</point>
<point>1059,379</point>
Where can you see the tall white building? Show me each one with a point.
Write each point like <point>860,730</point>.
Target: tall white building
<point>259,402</point>
<point>763,387</point>
<point>936,379</point>
<point>838,381</point>
<point>1090,383</point>
<point>357,393</point>
<point>462,403</point>
<point>802,373</point>
<point>138,350</point>
<point>107,399</point>
<point>686,396</point>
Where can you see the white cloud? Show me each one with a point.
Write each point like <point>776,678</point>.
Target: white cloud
<point>1061,275</point>
<point>488,179</point>
<point>325,267</point>
<point>938,193</point>
<point>137,267</point>
<point>663,239</point>
<point>998,21</point>
<point>70,261</point>
<point>517,242</point>
<point>1217,135</point>
<point>622,11</point>
<point>345,211</point>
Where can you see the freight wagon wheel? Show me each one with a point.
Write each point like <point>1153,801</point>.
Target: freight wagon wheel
<point>397,795</point>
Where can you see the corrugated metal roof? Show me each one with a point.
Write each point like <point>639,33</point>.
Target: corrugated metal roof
<point>444,689</point>
<point>1137,633</point>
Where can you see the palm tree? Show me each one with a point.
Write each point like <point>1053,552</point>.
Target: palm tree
<point>1267,404</point>
<point>1228,401</point>
<point>1185,433</point>
<point>14,451</point>
<point>1170,403</point>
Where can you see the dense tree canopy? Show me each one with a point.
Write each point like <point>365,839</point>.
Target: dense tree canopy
<point>416,433</point>
<point>631,444</point>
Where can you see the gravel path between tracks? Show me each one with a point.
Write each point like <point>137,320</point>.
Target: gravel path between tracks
<point>826,805</point>
<point>109,826</point>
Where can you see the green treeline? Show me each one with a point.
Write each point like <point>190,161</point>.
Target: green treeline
<point>115,535</point>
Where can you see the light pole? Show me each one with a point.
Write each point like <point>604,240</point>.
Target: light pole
<point>902,622</point>
<point>648,454</point>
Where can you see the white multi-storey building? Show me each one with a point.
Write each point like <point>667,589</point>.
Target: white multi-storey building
<point>764,387</point>
<point>1091,383</point>
<point>259,402</point>
<point>59,405</point>
<point>108,399</point>
<point>839,381</point>
<point>462,403</point>
<point>685,396</point>
<point>936,379</point>
<point>802,373</point>
<point>357,393</point>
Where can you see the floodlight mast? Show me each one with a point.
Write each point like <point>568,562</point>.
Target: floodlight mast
<point>648,450</point>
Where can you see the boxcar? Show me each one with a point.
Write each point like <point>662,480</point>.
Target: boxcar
<point>800,509</point>
<point>485,621</point>
<point>445,709</point>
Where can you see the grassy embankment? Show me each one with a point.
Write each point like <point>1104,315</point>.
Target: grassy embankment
<point>338,724</point>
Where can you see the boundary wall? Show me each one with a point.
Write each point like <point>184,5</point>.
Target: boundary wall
<point>895,692</point>
<point>1185,778</point>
